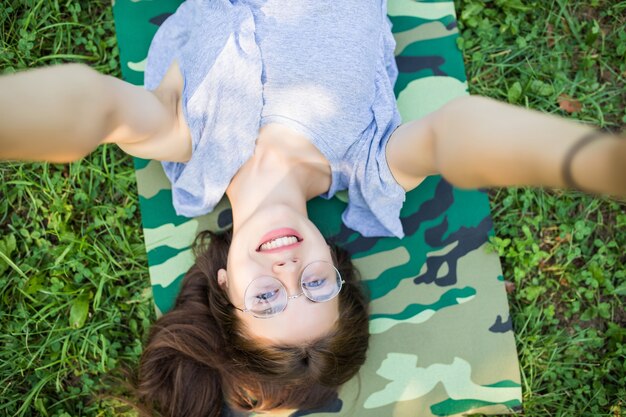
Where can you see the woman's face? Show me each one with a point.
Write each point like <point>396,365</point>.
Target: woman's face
<point>279,242</point>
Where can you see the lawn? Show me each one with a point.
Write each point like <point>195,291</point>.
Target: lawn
<point>75,301</point>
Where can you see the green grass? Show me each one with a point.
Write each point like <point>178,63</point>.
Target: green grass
<point>564,251</point>
<point>74,292</point>
<point>74,288</point>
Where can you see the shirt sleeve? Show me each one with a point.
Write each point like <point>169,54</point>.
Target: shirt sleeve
<point>214,45</point>
<point>374,196</point>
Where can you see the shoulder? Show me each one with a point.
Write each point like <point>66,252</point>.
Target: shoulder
<point>171,85</point>
<point>410,152</point>
<point>172,142</point>
<point>170,92</point>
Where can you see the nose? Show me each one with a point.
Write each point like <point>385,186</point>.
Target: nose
<point>286,265</point>
<point>287,271</point>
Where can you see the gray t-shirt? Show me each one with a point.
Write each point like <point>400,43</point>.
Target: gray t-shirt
<point>322,67</point>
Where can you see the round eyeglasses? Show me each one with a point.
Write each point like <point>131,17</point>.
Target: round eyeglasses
<point>266,296</point>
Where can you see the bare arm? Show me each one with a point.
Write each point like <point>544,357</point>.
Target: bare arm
<point>478,142</point>
<point>62,113</point>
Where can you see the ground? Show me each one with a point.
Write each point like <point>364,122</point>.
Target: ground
<point>74,299</point>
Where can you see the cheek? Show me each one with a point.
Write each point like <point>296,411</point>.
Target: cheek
<point>238,259</point>
<point>240,271</point>
<point>324,253</point>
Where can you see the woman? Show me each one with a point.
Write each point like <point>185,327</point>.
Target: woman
<point>232,106</point>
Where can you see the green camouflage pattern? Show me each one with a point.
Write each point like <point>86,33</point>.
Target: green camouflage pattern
<point>442,342</point>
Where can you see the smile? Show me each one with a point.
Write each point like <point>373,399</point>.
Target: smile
<point>279,243</point>
<point>278,240</point>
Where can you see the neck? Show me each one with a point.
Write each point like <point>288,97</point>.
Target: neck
<point>286,169</point>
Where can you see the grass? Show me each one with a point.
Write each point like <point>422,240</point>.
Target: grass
<point>564,251</point>
<point>74,295</point>
<point>74,288</point>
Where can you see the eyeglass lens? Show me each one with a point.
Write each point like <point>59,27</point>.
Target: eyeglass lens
<point>266,296</point>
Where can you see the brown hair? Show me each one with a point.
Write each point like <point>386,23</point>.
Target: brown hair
<point>197,356</point>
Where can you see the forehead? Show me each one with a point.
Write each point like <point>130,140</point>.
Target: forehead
<point>301,322</point>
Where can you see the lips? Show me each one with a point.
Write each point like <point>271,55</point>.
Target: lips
<point>279,239</point>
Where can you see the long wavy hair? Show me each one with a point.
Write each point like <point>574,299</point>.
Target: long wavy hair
<point>198,358</point>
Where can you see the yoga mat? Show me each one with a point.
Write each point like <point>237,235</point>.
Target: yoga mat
<point>442,342</point>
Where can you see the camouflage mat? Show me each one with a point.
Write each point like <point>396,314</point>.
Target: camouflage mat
<point>442,342</point>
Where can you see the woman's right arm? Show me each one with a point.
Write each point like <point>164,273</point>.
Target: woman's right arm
<point>62,113</point>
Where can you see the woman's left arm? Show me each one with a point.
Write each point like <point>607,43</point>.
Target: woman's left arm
<point>477,142</point>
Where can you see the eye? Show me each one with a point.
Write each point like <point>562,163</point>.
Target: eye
<point>314,283</point>
<point>267,296</point>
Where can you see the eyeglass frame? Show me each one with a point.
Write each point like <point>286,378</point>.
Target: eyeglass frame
<point>290,297</point>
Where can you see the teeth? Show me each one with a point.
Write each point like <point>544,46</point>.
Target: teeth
<point>279,242</point>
